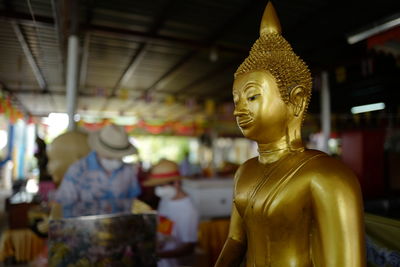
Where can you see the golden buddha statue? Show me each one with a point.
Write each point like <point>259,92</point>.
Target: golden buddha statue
<point>292,206</point>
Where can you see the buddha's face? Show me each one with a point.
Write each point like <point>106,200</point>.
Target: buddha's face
<point>259,109</point>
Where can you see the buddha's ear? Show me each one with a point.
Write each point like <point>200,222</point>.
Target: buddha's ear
<point>297,99</point>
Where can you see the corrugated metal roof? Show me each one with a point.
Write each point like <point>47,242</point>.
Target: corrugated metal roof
<point>151,49</point>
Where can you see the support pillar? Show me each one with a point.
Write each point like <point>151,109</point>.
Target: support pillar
<point>72,79</point>
<point>325,111</point>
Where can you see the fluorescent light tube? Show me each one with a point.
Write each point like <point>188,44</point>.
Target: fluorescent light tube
<point>362,35</point>
<point>368,108</point>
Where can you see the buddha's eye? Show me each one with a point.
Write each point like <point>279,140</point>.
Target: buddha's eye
<point>253,97</point>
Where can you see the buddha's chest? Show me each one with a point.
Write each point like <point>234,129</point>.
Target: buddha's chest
<point>272,194</point>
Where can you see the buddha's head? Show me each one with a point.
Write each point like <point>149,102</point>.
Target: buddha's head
<point>272,87</point>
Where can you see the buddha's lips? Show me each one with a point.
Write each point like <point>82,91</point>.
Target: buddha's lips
<point>244,121</point>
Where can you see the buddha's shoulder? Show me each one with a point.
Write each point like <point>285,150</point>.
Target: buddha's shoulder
<point>322,168</point>
<point>317,160</point>
<point>251,163</point>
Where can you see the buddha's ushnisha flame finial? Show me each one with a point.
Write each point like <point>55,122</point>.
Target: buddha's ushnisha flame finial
<point>270,21</point>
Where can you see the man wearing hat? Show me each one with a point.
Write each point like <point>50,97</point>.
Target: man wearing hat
<point>100,183</point>
<point>178,218</point>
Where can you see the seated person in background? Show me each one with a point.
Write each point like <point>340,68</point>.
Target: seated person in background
<point>228,169</point>
<point>188,168</point>
<point>185,167</point>
<point>100,183</point>
<point>178,218</point>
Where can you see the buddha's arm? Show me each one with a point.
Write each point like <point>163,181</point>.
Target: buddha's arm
<point>234,249</point>
<point>338,234</point>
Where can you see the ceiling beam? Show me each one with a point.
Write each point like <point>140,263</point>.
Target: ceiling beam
<point>135,61</point>
<point>29,56</point>
<point>152,88</point>
<point>205,78</point>
<point>142,50</point>
<point>25,18</point>
<point>58,18</point>
<point>185,59</point>
<point>230,23</point>
<point>137,36</point>
<point>130,69</point>
<point>38,91</point>
<point>143,37</point>
<point>86,46</point>
<point>84,61</point>
<point>221,93</point>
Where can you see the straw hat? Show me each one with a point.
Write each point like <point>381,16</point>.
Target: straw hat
<point>65,150</point>
<point>163,172</point>
<point>111,141</point>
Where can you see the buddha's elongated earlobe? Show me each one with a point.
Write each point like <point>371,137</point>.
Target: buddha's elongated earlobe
<point>297,100</point>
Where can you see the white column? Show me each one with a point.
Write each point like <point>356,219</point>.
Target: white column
<point>325,111</point>
<point>72,79</point>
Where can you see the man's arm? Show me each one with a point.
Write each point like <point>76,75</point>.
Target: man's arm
<point>338,230</point>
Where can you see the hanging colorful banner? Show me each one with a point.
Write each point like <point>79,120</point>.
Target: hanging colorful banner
<point>123,94</point>
<point>190,103</point>
<point>101,92</point>
<point>169,100</point>
<point>7,108</point>
<point>210,107</point>
<point>2,106</point>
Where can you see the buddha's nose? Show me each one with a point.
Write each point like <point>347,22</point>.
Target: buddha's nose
<point>240,110</point>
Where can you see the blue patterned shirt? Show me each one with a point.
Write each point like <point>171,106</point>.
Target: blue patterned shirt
<point>87,189</point>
